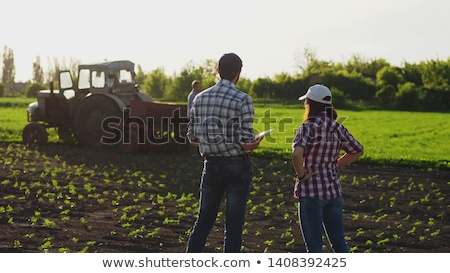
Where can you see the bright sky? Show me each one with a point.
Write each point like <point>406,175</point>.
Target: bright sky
<point>269,36</point>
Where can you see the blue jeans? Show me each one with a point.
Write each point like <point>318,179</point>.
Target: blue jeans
<point>318,216</point>
<point>220,178</point>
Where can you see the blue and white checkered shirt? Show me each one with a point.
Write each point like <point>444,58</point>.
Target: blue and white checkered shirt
<point>221,119</point>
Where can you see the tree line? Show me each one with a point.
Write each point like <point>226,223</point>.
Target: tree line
<point>356,83</point>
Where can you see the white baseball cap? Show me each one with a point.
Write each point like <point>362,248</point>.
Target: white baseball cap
<point>319,93</point>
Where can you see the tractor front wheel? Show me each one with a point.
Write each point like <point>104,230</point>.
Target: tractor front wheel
<point>35,133</point>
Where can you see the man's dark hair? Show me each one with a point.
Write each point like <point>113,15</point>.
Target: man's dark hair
<point>229,65</point>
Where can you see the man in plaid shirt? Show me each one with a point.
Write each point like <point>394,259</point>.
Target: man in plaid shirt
<point>221,124</point>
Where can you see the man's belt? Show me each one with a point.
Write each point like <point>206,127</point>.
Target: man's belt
<point>238,158</point>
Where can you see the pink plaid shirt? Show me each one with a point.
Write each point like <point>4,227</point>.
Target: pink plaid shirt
<point>323,139</point>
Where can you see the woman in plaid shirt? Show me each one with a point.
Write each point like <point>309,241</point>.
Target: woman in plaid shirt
<point>316,158</point>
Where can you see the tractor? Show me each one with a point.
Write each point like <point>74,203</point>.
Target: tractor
<point>104,92</point>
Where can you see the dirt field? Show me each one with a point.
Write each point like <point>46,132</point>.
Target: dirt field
<point>59,198</point>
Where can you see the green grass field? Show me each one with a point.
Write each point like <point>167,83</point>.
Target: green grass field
<point>388,137</point>
<point>418,139</point>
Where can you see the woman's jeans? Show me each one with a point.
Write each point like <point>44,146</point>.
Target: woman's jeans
<point>222,176</point>
<point>318,216</point>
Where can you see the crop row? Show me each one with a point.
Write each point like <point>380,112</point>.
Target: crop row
<point>74,200</point>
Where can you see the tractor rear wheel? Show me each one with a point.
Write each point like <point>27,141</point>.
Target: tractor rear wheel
<point>35,133</point>
<point>89,118</point>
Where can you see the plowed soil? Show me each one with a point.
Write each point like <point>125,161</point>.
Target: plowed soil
<point>60,198</point>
